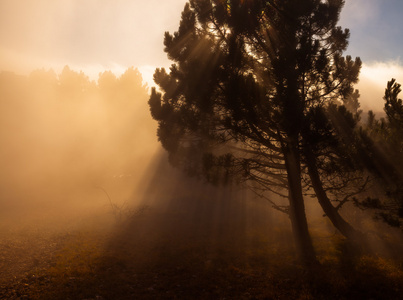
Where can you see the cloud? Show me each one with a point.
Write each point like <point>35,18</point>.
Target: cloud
<point>147,72</point>
<point>359,12</point>
<point>73,32</point>
<point>373,79</point>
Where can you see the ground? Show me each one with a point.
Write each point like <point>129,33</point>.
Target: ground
<point>154,254</point>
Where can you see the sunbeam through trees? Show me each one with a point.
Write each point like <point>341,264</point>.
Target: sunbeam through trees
<point>250,168</point>
<point>248,78</point>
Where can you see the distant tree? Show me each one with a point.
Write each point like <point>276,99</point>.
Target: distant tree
<point>383,140</point>
<point>352,103</point>
<point>74,85</point>
<point>394,113</point>
<point>247,78</point>
<point>87,131</point>
<point>107,82</point>
<point>46,79</point>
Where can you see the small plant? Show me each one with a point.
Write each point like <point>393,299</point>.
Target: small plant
<point>123,212</point>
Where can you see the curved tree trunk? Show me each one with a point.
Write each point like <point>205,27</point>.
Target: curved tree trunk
<point>332,213</point>
<point>299,222</point>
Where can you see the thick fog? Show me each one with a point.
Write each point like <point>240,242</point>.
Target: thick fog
<point>73,149</point>
<point>76,152</point>
<point>69,144</point>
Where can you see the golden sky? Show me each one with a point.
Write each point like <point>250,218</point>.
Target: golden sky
<point>98,35</point>
<point>92,35</point>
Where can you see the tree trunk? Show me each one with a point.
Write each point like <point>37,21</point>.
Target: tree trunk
<point>299,222</point>
<point>332,213</point>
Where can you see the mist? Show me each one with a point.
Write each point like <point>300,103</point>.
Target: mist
<point>93,207</point>
<point>89,200</point>
<point>65,138</point>
<point>373,79</point>
<point>82,170</point>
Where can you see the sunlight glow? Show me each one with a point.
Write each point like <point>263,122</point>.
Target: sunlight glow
<point>116,187</point>
<point>373,79</point>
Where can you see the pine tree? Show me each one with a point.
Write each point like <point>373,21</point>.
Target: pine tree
<point>246,78</point>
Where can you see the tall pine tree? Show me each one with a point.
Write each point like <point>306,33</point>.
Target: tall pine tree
<point>246,78</point>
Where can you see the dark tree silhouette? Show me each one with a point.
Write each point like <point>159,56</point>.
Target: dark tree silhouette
<point>331,146</point>
<point>394,112</point>
<point>246,80</point>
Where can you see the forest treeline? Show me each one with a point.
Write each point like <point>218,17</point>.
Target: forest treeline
<point>62,132</point>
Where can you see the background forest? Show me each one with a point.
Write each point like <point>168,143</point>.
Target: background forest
<point>63,133</point>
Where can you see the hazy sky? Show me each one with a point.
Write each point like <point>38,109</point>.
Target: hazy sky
<point>98,35</point>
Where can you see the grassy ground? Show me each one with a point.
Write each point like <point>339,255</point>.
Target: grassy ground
<point>162,255</point>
